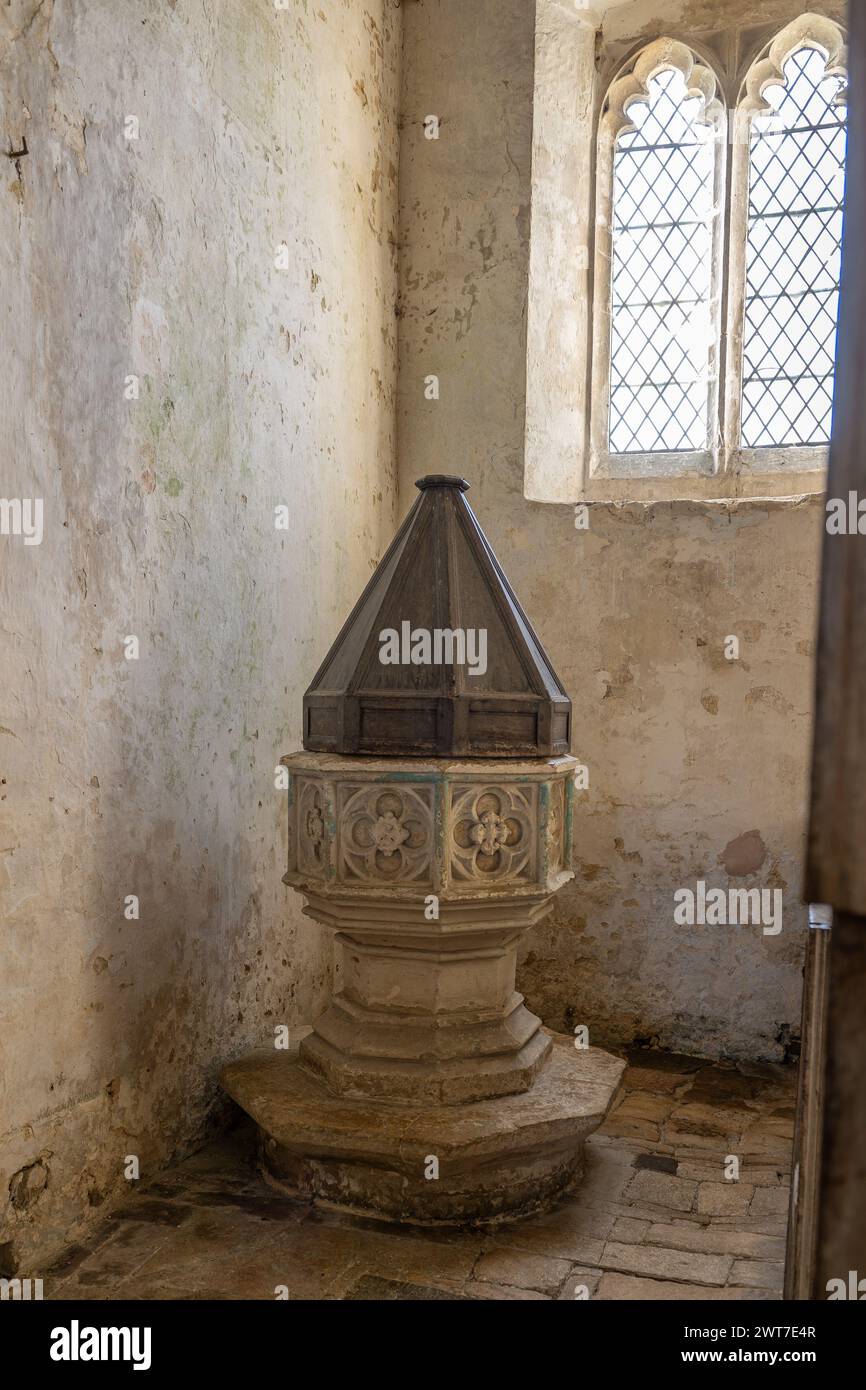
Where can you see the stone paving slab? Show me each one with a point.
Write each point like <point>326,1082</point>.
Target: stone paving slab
<point>652,1219</point>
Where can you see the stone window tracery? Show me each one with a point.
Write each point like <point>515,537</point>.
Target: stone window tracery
<point>672,393</point>
<point>685,346</point>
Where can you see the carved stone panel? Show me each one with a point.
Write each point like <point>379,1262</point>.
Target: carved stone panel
<point>385,833</point>
<point>494,833</point>
<point>556,807</point>
<point>312,827</point>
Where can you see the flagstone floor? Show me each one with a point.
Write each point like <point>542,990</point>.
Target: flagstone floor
<point>656,1217</point>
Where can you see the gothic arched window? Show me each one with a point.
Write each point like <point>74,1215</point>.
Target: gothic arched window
<point>661,274</point>
<point>715,301</point>
<point>662,155</point>
<point>793,234</point>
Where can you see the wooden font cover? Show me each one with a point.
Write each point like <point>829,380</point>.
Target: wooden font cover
<point>437,657</point>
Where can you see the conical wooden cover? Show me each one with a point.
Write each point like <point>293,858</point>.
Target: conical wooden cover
<point>438,657</point>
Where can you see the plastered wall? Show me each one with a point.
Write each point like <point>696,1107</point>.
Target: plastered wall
<point>697,764</point>
<point>259,385</point>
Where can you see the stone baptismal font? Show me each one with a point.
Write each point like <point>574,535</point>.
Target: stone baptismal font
<point>430,824</point>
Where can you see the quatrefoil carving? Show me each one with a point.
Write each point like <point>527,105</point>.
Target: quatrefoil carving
<point>494,833</point>
<point>386,833</point>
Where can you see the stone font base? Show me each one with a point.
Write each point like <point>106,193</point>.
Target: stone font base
<point>503,1157</point>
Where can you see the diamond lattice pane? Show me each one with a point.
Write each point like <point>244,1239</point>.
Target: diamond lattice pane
<point>796,174</point>
<point>662,322</point>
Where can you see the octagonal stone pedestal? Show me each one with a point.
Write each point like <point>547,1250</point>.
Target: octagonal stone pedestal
<point>497,1158</point>
<point>427,1090</point>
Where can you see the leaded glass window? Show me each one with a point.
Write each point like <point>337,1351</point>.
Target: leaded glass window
<point>793,243</point>
<point>663,325</point>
